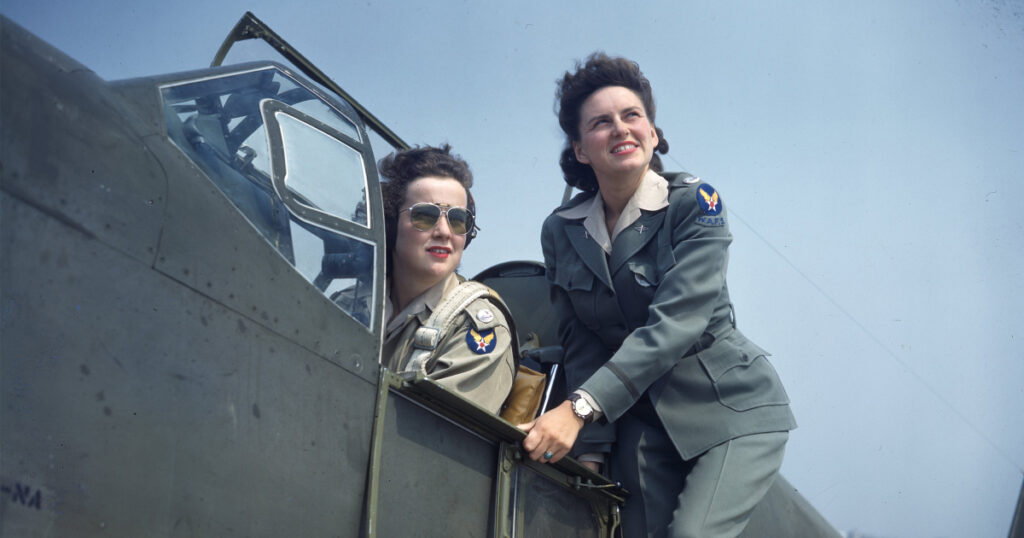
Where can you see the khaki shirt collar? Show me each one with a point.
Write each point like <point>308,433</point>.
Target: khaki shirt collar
<point>650,195</point>
<point>420,307</point>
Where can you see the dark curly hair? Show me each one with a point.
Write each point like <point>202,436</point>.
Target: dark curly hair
<point>403,167</point>
<point>599,71</point>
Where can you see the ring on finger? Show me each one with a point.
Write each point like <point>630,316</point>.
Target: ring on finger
<point>548,455</point>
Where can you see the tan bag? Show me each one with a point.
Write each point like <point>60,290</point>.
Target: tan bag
<point>523,402</point>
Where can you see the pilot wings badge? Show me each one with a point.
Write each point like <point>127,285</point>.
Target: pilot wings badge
<point>481,342</point>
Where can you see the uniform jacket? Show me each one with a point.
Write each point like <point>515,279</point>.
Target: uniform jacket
<point>654,316</point>
<point>475,359</point>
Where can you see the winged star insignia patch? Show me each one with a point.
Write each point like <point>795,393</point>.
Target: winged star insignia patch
<point>707,197</point>
<point>711,205</point>
<point>481,342</point>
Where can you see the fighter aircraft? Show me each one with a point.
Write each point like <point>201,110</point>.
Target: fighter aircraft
<point>192,275</point>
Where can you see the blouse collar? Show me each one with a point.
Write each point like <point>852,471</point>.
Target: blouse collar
<point>650,195</point>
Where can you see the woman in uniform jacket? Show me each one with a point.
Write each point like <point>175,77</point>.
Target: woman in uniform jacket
<point>428,214</point>
<point>692,413</point>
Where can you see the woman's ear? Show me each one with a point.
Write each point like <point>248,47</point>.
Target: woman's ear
<point>577,149</point>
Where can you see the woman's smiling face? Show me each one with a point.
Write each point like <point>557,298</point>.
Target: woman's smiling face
<point>427,257</point>
<point>616,137</point>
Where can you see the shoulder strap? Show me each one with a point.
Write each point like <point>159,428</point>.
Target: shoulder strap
<point>441,321</point>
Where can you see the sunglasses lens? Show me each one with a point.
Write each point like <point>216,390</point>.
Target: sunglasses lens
<point>424,216</point>
<point>458,219</point>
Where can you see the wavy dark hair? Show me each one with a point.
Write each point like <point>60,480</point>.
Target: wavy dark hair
<point>403,167</point>
<point>599,71</point>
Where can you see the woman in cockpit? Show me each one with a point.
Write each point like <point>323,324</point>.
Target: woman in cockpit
<point>429,218</point>
<point>692,414</point>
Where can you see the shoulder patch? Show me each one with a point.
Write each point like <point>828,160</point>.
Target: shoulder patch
<point>711,204</point>
<point>481,342</point>
<point>707,198</point>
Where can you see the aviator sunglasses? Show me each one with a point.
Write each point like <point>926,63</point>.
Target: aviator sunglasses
<point>424,216</point>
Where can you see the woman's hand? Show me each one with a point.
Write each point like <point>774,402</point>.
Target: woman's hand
<point>552,433</point>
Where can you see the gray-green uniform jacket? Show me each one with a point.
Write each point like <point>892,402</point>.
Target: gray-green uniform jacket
<point>475,359</point>
<point>655,316</point>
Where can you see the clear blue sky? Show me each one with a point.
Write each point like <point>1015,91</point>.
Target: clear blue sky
<point>870,154</point>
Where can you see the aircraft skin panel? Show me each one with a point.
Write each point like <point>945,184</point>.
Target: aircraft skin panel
<point>422,455</point>
<point>69,148</point>
<point>218,424</point>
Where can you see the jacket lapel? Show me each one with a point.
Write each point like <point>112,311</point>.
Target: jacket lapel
<point>633,238</point>
<point>589,251</point>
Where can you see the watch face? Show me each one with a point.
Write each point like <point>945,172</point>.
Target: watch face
<point>582,407</point>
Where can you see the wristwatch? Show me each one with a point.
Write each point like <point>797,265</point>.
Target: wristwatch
<point>582,408</point>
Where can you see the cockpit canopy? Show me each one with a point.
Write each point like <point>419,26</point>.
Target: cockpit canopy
<point>295,163</point>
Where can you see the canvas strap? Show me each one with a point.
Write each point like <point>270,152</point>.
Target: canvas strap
<point>443,319</point>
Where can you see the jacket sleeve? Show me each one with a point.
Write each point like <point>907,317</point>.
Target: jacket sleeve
<point>679,313</point>
<point>582,349</point>
<point>481,373</point>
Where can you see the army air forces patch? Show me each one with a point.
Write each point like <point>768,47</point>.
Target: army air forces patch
<point>481,342</point>
<point>711,205</point>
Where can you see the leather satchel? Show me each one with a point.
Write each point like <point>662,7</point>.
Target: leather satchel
<point>523,402</point>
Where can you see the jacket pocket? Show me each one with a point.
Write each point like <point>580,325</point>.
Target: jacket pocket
<point>742,376</point>
<point>574,276</point>
<point>645,273</point>
<point>578,282</point>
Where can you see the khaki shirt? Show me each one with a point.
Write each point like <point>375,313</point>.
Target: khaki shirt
<point>478,369</point>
